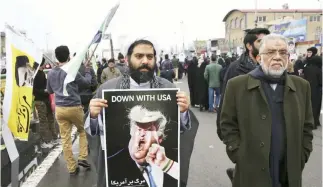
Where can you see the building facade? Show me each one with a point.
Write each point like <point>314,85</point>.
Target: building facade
<point>2,44</point>
<point>237,21</point>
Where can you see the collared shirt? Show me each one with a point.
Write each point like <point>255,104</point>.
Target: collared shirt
<point>95,126</point>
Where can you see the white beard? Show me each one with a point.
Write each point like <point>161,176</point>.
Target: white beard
<point>272,72</point>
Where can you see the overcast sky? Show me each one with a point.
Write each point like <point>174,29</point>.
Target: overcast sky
<point>75,22</point>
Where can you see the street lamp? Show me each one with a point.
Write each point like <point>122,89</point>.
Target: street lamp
<point>175,34</point>
<point>256,15</point>
<point>47,39</point>
<point>182,26</point>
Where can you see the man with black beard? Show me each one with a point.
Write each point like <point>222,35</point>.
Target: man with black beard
<point>245,64</point>
<point>142,60</point>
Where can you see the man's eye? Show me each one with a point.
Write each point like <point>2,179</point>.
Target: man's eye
<point>150,57</point>
<point>139,56</point>
<point>283,52</point>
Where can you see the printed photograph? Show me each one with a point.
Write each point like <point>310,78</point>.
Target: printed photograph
<point>142,138</point>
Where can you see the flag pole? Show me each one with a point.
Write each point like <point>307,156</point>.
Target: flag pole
<point>88,60</point>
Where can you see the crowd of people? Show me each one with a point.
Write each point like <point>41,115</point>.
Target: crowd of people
<point>286,104</point>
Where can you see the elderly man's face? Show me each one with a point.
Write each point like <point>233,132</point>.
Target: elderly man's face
<point>144,135</point>
<point>274,59</point>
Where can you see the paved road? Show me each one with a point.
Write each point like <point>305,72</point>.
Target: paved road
<point>208,163</point>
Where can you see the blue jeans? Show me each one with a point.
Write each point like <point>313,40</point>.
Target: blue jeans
<point>211,98</point>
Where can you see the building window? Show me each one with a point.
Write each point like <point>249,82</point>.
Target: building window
<point>259,18</point>
<point>314,18</point>
<point>318,18</point>
<point>237,23</point>
<point>311,18</point>
<point>241,23</point>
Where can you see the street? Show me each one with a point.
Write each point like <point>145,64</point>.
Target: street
<point>208,163</point>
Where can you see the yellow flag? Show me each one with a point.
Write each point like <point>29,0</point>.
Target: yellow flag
<point>21,54</point>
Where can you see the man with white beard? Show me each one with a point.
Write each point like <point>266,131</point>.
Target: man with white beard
<point>267,120</point>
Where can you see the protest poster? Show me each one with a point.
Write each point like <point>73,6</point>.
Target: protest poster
<point>21,56</point>
<point>142,137</point>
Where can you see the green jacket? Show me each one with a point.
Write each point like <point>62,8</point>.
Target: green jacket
<point>175,62</point>
<point>245,122</point>
<point>212,75</point>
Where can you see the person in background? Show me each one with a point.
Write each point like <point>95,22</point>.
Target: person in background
<point>311,52</point>
<point>290,68</point>
<point>221,61</point>
<point>299,65</point>
<point>167,69</point>
<point>175,63</point>
<point>191,79</point>
<point>121,65</point>
<point>202,84</point>
<point>100,69</point>
<point>86,93</point>
<point>110,72</point>
<point>180,70</point>
<point>212,76</point>
<point>47,129</point>
<point>223,72</point>
<point>185,66</point>
<point>68,110</point>
<point>313,74</point>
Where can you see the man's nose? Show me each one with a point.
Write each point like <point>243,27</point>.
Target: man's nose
<point>145,60</point>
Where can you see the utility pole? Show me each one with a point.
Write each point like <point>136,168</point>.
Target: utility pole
<point>47,40</point>
<point>182,26</point>
<point>256,13</point>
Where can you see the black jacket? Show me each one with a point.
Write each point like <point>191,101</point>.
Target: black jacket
<point>99,71</point>
<point>39,88</point>
<point>94,82</point>
<point>241,66</point>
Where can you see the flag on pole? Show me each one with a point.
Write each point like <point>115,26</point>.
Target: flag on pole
<point>21,54</point>
<point>72,67</point>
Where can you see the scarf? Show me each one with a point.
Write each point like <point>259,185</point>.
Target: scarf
<point>259,74</point>
<point>112,70</point>
<point>125,81</point>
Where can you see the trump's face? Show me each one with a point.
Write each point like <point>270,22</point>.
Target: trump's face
<point>142,137</point>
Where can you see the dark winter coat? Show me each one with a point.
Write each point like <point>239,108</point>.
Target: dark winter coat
<point>246,126</point>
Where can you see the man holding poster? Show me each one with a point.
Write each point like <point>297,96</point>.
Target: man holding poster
<point>141,56</point>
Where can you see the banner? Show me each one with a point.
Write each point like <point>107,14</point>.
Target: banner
<point>142,138</point>
<point>297,30</point>
<point>281,28</point>
<point>21,54</point>
<point>72,67</point>
<point>293,29</point>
